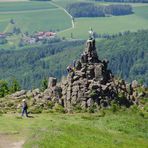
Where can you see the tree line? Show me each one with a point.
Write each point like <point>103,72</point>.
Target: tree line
<point>8,88</point>
<point>82,9</point>
<point>32,63</point>
<point>127,54</point>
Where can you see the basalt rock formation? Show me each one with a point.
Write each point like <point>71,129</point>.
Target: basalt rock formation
<point>89,84</point>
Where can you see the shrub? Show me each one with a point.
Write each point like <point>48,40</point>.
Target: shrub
<point>35,110</point>
<point>10,104</point>
<point>101,113</point>
<point>77,108</point>
<point>92,109</point>
<point>50,104</point>
<point>141,114</point>
<point>93,94</point>
<point>114,107</point>
<point>58,108</point>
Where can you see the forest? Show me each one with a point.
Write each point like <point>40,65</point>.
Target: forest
<point>91,10</point>
<point>127,53</point>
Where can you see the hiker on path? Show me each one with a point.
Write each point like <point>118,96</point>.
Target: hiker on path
<point>24,108</point>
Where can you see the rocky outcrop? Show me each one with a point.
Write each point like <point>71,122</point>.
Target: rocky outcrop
<point>89,84</point>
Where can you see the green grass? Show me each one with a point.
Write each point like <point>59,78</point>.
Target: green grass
<point>33,16</point>
<point>23,6</point>
<point>111,25</point>
<point>124,129</point>
<point>3,24</point>
<point>39,21</point>
<point>57,19</point>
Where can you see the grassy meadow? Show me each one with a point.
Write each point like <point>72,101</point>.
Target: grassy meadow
<point>22,6</point>
<point>43,20</point>
<point>123,129</point>
<point>45,16</point>
<point>33,16</point>
<point>110,25</point>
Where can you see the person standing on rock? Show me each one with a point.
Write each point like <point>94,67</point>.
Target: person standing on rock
<point>24,108</point>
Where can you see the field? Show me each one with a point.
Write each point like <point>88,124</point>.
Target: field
<point>40,23</point>
<point>33,16</point>
<point>111,25</point>
<point>123,129</point>
<point>44,16</point>
<point>20,6</point>
<point>53,17</point>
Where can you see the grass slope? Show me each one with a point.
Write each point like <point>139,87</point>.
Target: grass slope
<point>57,19</point>
<point>124,129</point>
<point>53,17</point>
<point>111,25</point>
<point>21,6</point>
<point>34,16</point>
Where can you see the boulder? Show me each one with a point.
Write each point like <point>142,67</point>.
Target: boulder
<point>52,82</point>
<point>19,94</point>
<point>134,84</point>
<point>90,102</point>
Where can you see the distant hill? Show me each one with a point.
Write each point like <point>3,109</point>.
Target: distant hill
<point>127,55</point>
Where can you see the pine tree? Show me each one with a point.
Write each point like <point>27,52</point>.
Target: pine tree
<point>44,84</point>
<point>4,90</point>
<point>15,86</point>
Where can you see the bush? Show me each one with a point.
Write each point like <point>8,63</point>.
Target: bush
<point>35,110</point>
<point>92,109</point>
<point>114,107</point>
<point>93,94</point>
<point>77,108</point>
<point>141,114</point>
<point>134,108</point>
<point>50,104</point>
<point>102,113</point>
<point>10,104</point>
<point>58,108</point>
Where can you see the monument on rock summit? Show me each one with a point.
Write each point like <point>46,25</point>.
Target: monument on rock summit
<point>89,83</point>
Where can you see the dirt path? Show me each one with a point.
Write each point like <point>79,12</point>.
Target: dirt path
<point>7,141</point>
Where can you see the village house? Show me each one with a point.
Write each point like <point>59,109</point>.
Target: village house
<point>45,35</point>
